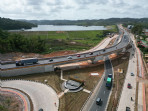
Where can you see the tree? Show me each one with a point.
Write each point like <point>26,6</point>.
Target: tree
<point>137,29</point>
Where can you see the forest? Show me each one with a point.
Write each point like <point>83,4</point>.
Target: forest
<point>17,43</point>
<point>8,24</point>
<point>95,22</point>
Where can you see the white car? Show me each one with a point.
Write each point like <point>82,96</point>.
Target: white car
<point>69,57</point>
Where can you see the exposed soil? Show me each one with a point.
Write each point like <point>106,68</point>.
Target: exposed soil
<point>10,102</point>
<point>17,56</point>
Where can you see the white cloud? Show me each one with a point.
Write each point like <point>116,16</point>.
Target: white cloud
<point>72,9</point>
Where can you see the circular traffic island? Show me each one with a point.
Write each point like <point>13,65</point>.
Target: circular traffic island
<point>73,86</point>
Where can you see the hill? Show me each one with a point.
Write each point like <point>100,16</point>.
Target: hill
<point>99,22</point>
<point>9,24</point>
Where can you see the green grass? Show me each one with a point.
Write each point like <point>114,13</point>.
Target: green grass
<point>67,40</point>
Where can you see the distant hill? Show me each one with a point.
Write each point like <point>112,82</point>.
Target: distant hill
<point>9,24</point>
<point>99,22</point>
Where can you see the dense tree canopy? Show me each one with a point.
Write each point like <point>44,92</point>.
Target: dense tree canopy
<point>137,29</point>
<point>8,24</point>
<point>18,43</point>
<point>101,22</point>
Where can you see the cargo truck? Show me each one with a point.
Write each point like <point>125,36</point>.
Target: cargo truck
<point>109,81</point>
<point>24,62</point>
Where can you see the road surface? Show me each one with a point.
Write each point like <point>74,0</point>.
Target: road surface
<point>41,95</point>
<point>103,92</point>
<point>120,45</point>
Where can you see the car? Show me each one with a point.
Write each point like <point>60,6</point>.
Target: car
<point>128,109</point>
<point>78,55</point>
<point>50,60</point>
<point>129,85</point>
<point>40,109</point>
<point>90,53</point>
<point>103,50</point>
<point>99,101</point>
<point>132,74</point>
<point>110,75</point>
<point>69,57</point>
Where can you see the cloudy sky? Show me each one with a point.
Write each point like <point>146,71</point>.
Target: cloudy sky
<point>72,9</point>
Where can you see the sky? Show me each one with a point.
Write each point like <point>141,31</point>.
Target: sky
<point>73,9</point>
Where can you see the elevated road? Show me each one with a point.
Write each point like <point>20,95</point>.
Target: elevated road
<point>123,43</point>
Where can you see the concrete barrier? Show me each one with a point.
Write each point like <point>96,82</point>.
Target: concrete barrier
<point>26,70</point>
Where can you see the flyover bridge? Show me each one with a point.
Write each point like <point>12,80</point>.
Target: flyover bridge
<point>44,65</point>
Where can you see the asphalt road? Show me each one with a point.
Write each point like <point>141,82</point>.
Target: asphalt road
<point>103,92</point>
<point>122,44</point>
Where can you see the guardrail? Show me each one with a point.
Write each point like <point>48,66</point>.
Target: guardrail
<point>12,62</point>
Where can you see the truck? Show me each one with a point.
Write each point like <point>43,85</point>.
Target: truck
<point>24,62</point>
<point>109,81</point>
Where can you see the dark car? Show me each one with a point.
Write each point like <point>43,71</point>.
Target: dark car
<point>99,101</point>
<point>128,109</point>
<point>132,74</point>
<point>103,50</point>
<point>41,109</point>
<point>90,53</point>
<point>50,60</point>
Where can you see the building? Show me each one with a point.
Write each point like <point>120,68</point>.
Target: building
<point>146,32</point>
<point>146,58</point>
<point>130,27</point>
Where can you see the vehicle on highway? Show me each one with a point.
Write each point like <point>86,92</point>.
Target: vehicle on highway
<point>50,60</point>
<point>109,82</point>
<point>23,62</point>
<point>41,109</point>
<point>132,74</point>
<point>103,50</point>
<point>91,53</point>
<point>69,57</point>
<point>129,86</point>
<point>99,101</point>
<point>78,55</point>
<point>128,109</point>
<point>110,75</point>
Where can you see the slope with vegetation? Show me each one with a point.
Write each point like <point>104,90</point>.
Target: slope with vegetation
<point>100,22</point>
<point>8,24</point>
<point>49,41</point>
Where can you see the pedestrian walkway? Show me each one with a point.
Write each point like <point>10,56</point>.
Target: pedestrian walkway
<point>62,93</point>
<point>85,90</point>
<point>140,105</point>
<point>128,95</point>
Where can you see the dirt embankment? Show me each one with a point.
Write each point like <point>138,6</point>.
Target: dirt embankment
<point>17,56</point>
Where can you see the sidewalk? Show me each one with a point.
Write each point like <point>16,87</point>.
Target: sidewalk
<point>141,90</point>
<point>127,94</point>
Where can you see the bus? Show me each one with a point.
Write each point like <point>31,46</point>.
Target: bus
<point>27,61</point>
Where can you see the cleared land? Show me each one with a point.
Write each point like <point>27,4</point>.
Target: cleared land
<point>122,63</point>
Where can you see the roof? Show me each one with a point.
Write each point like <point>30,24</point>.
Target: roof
<point>146,30</point>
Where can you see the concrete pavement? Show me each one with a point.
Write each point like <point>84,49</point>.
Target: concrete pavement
<point>127,94</point>
<point>141,90</point>
<point>41,95</point>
